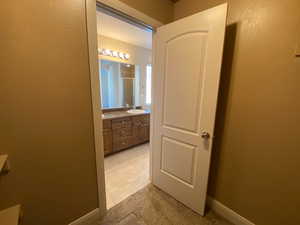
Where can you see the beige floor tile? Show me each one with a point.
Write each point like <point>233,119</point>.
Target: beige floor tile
<point>151,206</point>
<point>126,172</point>
<point>133,201</point>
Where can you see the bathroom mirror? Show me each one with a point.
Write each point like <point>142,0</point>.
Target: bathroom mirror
<point>119,84</point>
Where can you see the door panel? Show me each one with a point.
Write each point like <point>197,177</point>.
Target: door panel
<point>187,65</point>
<point>176,153</point>
<point>183,82</point>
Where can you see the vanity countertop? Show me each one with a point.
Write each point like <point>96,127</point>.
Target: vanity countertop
<point>120,114</point>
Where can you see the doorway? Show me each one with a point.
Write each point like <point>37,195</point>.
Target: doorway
<point>187,66</point>
<point>125,59</point>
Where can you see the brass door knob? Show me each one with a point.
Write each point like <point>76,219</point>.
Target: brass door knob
<point>205,135</point>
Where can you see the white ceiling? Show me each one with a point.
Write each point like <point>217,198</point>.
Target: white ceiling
<point>117,29</point>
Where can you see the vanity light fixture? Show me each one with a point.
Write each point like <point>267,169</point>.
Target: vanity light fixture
<point>121,55</point>
<point>127,56</point>
<point>113,53</point>
<point>108,52</point>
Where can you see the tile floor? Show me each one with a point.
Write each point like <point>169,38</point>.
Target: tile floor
<point>126,172</point>
<point>151,206</point>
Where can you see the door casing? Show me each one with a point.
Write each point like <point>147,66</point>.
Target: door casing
<point>95,85</point>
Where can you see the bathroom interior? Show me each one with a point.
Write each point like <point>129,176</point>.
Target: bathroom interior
<point>124,54</point>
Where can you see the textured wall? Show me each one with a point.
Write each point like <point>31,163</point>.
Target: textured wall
<point>45,108</point>
<point>255,167</point>
<point>45,111</point>
<point>161,10</point>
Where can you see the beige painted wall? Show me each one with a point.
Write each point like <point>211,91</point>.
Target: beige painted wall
<point>46,118</point>
<point>162,10</point>
<point>138,56</point>
<point>255,167</point>
<point>45,111</point>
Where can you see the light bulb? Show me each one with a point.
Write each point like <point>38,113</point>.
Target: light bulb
<point>121,55</point>
<point>115,54</point>
<point>108,52</point>
<point>127,56</point>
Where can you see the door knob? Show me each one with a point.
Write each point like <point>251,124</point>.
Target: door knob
<point>205,135</point>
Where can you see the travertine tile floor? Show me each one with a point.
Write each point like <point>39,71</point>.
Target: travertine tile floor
<point>126,172</point>
<point>150,206</point>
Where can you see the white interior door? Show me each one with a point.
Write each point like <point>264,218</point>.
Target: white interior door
<point>187,65</point>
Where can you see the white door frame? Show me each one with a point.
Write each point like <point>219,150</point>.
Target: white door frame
<point>91,23</point>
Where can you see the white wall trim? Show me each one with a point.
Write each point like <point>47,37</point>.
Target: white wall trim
<point>87,218</point>
<point>91,22</point>
<point>95,83</point>
<point>226,212</point>
<point>121,6</point>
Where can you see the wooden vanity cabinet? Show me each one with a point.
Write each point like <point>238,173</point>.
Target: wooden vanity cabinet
<point>122,133</point>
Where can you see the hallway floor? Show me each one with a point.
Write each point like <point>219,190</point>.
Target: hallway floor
<point>126,172</point>
<point>150,206</point>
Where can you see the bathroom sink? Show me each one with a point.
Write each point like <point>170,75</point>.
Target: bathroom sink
<point>136,111</point>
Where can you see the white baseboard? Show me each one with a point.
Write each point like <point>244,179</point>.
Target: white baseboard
<point>87,218</point>
<point>227,213</point>
<point>216,206</point>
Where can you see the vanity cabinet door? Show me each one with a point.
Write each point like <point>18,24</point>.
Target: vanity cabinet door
<point>122,133</point>
<point>143,135</point>
<point>141,128</point>
<point>122,138</point>
<point>107,141</point>
<point>121,123</point>
<point>107,137</point>
<point>122,144</point>
<point>106,124</point>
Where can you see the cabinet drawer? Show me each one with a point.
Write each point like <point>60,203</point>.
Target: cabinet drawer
<point>122,133</point>
<point>143,120</point>
<point>121,123</point>
<point>122,144</point>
